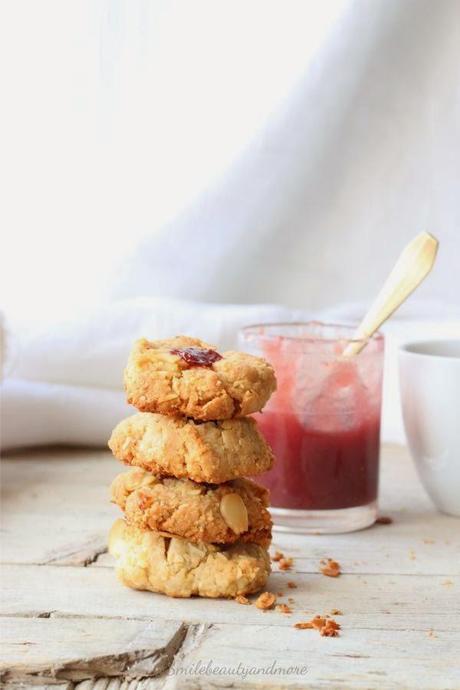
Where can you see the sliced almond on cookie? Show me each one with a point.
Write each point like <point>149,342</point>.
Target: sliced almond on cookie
<point>234,512</point>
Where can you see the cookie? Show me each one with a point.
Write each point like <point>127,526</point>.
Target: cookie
<point>179,568</point>
<point>186,376</point>
<point>212,452</point>
<point>224,513</point>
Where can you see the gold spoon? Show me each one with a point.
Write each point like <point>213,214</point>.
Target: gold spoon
<point>412,267</point>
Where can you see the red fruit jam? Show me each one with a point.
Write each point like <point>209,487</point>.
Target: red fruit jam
<point>323,424</point>
<point>197,356</point>
<point>317,470</point>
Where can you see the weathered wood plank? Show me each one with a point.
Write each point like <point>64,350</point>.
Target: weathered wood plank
<point>62,495</point>
<point>82,648</point>
<point>412,545</point>
<point>367,602</point>
<point>120,684</point>
<point>78,648</point>
<point>358,659</point>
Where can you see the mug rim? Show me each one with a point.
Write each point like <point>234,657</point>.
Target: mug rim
<point>409,348</point>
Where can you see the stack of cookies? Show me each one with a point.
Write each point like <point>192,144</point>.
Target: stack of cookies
<point>192,524</point>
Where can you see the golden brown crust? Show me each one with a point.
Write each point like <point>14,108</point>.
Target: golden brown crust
<point>213,452</point>
<point>156,380</point>
<point>186,509</point>
<point>176,567</point>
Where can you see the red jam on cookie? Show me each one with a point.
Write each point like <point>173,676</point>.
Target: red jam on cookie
<point>197,356</point>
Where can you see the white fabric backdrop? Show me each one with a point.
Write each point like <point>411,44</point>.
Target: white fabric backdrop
<point>64,380</point>
<point>219,152</point>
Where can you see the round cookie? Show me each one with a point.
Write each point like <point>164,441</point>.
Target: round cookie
<point>186,376</point>
<point>149,561</point>
<point>212,452</point>
<point>223,513</point>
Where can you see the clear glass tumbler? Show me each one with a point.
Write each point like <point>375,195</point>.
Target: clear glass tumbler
<point>323,424</point>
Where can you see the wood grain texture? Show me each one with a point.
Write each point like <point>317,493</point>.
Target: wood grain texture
<point>67,622</point>
<point>87,648</point>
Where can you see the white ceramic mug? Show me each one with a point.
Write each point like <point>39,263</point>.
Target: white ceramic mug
<point>430,393</point>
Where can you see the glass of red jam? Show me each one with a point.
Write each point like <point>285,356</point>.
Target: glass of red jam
<point>323,424</point>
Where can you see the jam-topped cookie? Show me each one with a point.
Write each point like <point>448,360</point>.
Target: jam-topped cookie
<point>180,568</point>
<point>186,376</point>
<point>212,452</point>
<point>222,513</point>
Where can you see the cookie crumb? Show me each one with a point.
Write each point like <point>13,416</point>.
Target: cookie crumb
<point>284,608</point>
<point>447,583</point>
<point>331,629</point>
<point>291,584</point>
<point>384,520</point>
<point>428,541</point>
<point>326,627</point>
<point>318,622</point>
<point>280,594</point>
<point>285,563</point>
<point>242,600</point>
<point>412,555</point>
<point>336,612</point>
<point>277,556</point>
<point>266,601</point>
<point>329,567</point>
<point>290,600</point>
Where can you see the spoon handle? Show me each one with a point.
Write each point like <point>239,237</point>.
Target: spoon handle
<point>412,267</point>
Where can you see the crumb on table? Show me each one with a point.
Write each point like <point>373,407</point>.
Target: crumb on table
<point>331,629</point>
<point>327,627</point>
<point>266,601</point>
<point>329,567</point>
<point>277,556</point>
<point>285,563</point>
<point>284,608</point>
<point>384,520</point>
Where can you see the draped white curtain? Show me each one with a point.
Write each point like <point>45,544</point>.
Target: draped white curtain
<point>160,156</point>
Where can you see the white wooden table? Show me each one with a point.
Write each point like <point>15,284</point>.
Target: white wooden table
<point>68,623</point>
